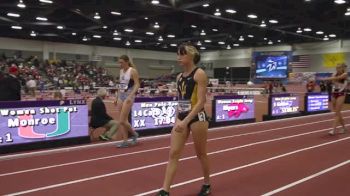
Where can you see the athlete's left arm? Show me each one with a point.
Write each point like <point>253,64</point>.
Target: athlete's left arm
<point>135,77</point>
<point>344,76</point>
<point>202,81</point>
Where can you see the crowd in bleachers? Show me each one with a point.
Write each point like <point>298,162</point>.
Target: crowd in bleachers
<point>51,75</point>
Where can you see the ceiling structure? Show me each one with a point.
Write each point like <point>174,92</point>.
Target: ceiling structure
<point>162,25</point>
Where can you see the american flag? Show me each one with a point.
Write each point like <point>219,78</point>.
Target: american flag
<point>301,61</point>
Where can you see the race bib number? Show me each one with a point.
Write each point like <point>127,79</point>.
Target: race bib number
<point>201,116</point>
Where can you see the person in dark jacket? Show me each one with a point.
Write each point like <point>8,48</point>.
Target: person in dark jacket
<point>10,86</point>
<point>100,118</point>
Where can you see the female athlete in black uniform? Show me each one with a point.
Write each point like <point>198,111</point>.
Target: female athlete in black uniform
<point>191,117</point>
<point>340,82</point>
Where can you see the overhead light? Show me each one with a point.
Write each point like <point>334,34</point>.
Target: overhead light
<point>332,35</point>
<point>206,5</point>
<point>263,24</point>
<point>117,38</point>
<point>215,30</point>
<point>116,13</point>
<point>199,43</point>
<point>202,48</point>
<point>202,33</point>
<point>129,30</point>
<point>173,45</point>
<point>160,38</point>
<point>105,27</point>
<point>146,18</point>
<point>307,0</point>
<point>339,1</point>
<point>16,27</point>
<point>221,43</point>
<point>60,27</point>
<point>265,38</point>
<point>149,33</point>
<point>270,42</point>
<point>273,21</point>
<point>13,15</point>
<point>241,38</point>
<point>33,34</point>
<point>207,41</point>
<point>156,25</point>
<point>46,1</point>
<point>194,26</point>
<point>251,36</point>
<point>231,11</point>
<point>253,16</point>
<point>85,39</point>
<point>307,29</point>
<point>97,36</point>
<point>21,4</point>
<point>228,47</point>
<point>97,16</point>
<point>319,32</point>
<point>171,36</point>
<point>115,32</point>
<point>138,41</point>
<point>74,33</point>
<point>217,12</point>
<point>325,38</point>
<point>235,45</point>
<point>127,43</point>
<point>299,30</point>
<point>155,2</point>
<point>41,18</point>
<point>347,13</point>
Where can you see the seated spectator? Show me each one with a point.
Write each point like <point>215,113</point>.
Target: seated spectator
<point>100,118</point>
<point>323,87</point>
<point>57,95</point>
<point>310,86</point>
<point>31,85</point>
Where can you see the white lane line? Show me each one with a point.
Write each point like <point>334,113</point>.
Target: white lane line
<point>81,147</point>
<point>306,179</point>
<point>246,166</point>
<point>158,164</point>
<point>151,150</point>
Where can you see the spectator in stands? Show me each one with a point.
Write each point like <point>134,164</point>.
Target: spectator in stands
<point>100,118</point>
<point>270,87</point>
<point>12,90</point>
<point>310,86</point>
<point>282,88</point>
<point>31,85</point>
<point>323,87</point>
<point>58,96</point>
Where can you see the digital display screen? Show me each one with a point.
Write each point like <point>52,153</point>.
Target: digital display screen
<point>36,121</point>
<point>284,105</point>
<point>232,108</point>
<point>153,113</point>
<point>316,102</point>
<point>271,66</point>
